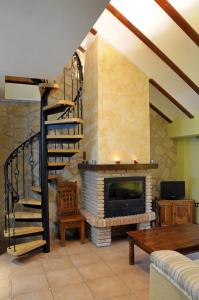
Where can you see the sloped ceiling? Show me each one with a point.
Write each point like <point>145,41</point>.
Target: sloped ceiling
<point>39,36</point>
<point>154,23</point>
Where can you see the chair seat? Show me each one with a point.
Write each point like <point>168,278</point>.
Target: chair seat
<point>69,219</point>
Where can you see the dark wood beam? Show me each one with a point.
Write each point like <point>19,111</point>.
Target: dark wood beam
<point>179,20</point>
<point>161,114</point>
<point>81,49</point>
<point>171,98</point>
<point>117,167</point>
<point>23,80</point>
<point>152,46</point>
<point>93,31</point>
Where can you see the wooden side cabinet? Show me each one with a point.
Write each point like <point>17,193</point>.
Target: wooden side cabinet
<point>173,212</point>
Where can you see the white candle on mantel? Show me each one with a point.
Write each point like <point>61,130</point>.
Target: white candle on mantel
<point>135,160</point>
<point>117,160</point>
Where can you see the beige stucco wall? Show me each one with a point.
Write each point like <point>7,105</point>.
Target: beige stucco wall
<point>120,92</point>
<point>90,102</point>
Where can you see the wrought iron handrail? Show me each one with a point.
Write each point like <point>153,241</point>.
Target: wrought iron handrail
<point>12,156</point>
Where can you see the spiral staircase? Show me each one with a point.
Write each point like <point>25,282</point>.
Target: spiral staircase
<point>36,163</point>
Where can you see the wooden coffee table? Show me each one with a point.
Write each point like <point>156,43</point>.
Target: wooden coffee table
<point>182,238</point>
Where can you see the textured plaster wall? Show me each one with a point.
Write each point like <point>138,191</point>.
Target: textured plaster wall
<point>116,100</point>
<point>163,151</point>
<point>123,108</point>
<point>90,96</point>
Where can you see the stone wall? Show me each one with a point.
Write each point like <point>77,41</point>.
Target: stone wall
<point>163,151</point>
<point>18,122</point>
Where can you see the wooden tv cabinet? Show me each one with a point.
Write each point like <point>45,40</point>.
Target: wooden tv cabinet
<point>173,212</point>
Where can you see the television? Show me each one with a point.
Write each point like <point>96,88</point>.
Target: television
<point>172,190</point>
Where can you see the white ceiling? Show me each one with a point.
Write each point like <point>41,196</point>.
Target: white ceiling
<point>39,36</point>
<point>148,17</point>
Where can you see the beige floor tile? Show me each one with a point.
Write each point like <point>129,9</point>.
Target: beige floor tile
<point>120,265</point>
<point>85,259</point>
<point>28,284</point>
<point>26,269</point>
<point>61,278</point>
<point>4,272</point>
<point>105,270</point>
<point>135,280</point>
<point>125,297</point>
<point>53,264</point>
<point>77,248</point>
<point>142,294</point>
<point>107,287</point>
<point>5,288</point>
<point>95,271</point>
<point>4,259</point>
<point>78,291</point>
<point>43,295</point>
<point>110,254</point>
<point>121,244</point>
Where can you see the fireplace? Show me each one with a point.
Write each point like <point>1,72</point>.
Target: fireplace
<point>114,196</point>
<point>124,196</point>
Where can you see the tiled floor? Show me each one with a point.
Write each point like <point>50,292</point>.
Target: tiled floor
<point>76,272</point>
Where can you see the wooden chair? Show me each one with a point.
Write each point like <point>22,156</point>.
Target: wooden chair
<point>68,211</point>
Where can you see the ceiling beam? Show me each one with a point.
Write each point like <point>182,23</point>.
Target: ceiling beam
<point>171,98</point>
<point>81,49</point>
<point>152,46</point>
<point>93,31</point>
<point>179,20</point>
<point>161,114</point>
<point>23,80</point>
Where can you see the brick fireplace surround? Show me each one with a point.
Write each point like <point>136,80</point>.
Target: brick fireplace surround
<point>92,206</point>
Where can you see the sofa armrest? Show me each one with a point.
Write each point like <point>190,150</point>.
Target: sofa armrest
<point>179,270</point>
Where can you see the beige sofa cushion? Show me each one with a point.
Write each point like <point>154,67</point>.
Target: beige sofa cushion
<point>180,270</point>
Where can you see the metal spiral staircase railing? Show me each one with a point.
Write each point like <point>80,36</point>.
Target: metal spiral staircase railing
<point>35,163</point>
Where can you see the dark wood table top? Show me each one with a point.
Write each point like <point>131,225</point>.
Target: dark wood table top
<point>182,238</point>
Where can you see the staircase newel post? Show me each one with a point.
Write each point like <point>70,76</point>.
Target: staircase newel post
<point>44,172</point>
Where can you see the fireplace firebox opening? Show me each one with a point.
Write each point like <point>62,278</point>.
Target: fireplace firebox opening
<point>124,196</point>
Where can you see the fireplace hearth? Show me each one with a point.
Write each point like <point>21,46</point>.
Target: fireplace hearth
<point>124,196</point>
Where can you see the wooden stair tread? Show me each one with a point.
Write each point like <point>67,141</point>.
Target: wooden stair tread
<point>30,202</point>
<point>49,85</point>
<point>65,136</point>
<point>36,189</point>
<point>23,231</point>
<point>63,150</point>
<point>26,215</point>
<point>23,248</point>
<point>50,164</point>
<point>64,121</point>
<point>52,177</point>
<point>58,104</point>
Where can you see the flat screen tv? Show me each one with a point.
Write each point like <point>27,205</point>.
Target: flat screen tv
<point>172,190</point>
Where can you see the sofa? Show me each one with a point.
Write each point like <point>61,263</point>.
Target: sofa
<point>173,276</point>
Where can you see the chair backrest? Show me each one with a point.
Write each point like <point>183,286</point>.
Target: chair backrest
<point>67,198</point>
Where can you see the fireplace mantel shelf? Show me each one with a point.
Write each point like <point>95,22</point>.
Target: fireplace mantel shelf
<point>116,167</point>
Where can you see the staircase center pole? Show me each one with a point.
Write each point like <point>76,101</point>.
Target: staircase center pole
<point>44,172</point>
